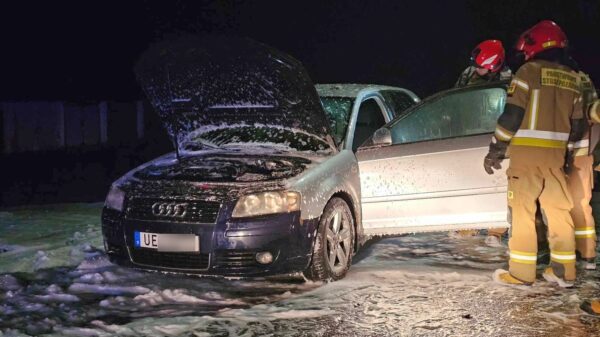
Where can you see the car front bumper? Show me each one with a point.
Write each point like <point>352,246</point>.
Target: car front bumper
<point>227,248</point>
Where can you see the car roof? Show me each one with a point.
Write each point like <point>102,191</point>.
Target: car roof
<point>351,90</point>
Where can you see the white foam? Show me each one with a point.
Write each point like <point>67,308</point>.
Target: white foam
<point>12,333</point>
<point>40,260</point>
<point>9,282</point>
<point>113,329</point>
<point>91,278</point>
<point>54,289</point>
<point>78,332</point>
<point>95,262</point>
<point>115,301</point>
<point>82,288</point>
<point>299,314</point>
<point>57,298</point>
<point>180,296</point>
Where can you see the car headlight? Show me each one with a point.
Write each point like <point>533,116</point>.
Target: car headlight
<point>267,203</point>
<point>115,198</point>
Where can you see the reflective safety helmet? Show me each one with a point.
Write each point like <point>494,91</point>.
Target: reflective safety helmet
<point>489,54</point>
<point>543,36</point>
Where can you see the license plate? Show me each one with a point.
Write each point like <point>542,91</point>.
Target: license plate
<point>167,242</point>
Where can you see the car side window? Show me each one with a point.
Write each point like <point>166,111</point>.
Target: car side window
<point>458,114</point>
<point>398,101</point>
<point>369,119</point>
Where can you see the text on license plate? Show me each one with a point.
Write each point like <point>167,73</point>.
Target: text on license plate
<point>167,242</point>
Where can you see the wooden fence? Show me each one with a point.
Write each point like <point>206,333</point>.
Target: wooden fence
<point>43,126</point>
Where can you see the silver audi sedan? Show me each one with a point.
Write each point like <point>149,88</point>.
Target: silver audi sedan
<point>264,178</point>
<point>423,170</point>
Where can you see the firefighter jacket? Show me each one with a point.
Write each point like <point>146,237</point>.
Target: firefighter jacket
<point>588,95</point>
<point>594,111</point>
<point>542,116</point>
<point>594,117</point>
<point>470,77</point>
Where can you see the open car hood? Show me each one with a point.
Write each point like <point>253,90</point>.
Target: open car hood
<point>207,84</point>
<point>225,167</point>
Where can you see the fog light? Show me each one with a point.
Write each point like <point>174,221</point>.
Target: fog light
<point>264,257</point>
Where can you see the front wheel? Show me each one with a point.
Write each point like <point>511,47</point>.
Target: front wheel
<point>334,243</point>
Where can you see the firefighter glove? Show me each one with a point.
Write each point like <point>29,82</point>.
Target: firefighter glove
<point>491,163</point>
<point>495,156</point>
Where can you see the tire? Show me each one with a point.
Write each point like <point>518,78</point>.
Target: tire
<point>334,243</point>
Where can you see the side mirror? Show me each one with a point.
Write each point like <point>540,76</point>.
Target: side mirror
<point>382,137</point>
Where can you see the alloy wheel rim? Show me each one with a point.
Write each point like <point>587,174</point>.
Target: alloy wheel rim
<point>338,241</point>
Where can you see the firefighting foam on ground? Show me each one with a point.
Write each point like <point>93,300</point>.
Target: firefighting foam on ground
<point>351,169</point>
<point>60,283</point>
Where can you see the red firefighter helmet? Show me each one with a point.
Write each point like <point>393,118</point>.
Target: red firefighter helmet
<point>544,35</point>
<point>489,54</point>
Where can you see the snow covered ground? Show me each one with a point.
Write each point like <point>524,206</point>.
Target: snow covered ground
<point>56,281</point>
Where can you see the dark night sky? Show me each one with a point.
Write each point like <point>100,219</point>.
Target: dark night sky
<point>86,49</point>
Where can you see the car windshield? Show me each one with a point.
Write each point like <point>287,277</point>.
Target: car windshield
<point>256,135</point>
<point>338,110</point>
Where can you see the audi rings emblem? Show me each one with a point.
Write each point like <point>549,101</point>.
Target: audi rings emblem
<point>173,210</point>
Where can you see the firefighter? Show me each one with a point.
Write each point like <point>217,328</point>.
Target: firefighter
<point>593,307</point>
<point>580,182</point>
<point>487,65</point>
<point>543,114</point>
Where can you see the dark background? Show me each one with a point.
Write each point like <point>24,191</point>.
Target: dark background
<point>86,49</point>
<point>83,52</point>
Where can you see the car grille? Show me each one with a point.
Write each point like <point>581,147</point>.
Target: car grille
<point>189,261</point>
<point>235,259</point>
<point>196,211</point>
<point>111,226</point>
<point>110,215</point>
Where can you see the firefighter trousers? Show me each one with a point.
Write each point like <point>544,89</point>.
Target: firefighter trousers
<point>580,183</point>
<point>540,228</point>
<point>549,186</point>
